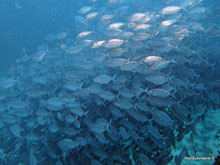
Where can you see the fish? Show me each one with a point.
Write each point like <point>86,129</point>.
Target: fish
<point>73,86</point>
<point>101,138</point>
<point>143,145</point>
<point>179,158</point>
<point>18,6</point>
<point>115,26</point>
<point>116,112</point>
<point>114,43</point>
<point>162,119</point>
<point>84,34</point>
<point>170,10</point>
<point>61,35</point>
<point>41,113</point>
<point>9,119</point>
<point>91,16</point>
<point>78,111</point>
<point>133,135</point>
<point>123,133</point>
<point>162,65</point>
<point>137,17</point>
<point>117,62</point>
<point>152,59</point>
<point>33,159</point>
<point>39,56</point>
<point>13,105</point>
<point>154,132</point>
<point>69,119</point>
<point>157,79</point>
<point>97,44</point>
<point>97,128</point>
<point>158,93</point>
<point>101,153</point>
<point>55,104</point>
<point>7,83</point>
<point>16,130</point>
<point>2,156</point>
<point>127,124</point>
<point>42,80</point>
<point>66,144</point>
<point>103,79</point>
<point>139,116</point>
<point>126,93</point>
<point>80,141</point>
<point>85,9</point>
<point>161,102</point>
<point>145,160</point>
<point>123,104</point>
<point>106,95</point>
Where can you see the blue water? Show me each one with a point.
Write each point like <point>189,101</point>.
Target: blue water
<point>55,108</point>
<point>24,24</point>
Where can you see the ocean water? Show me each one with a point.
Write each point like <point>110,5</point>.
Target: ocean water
<point>109,82</point>
<point>24,24</point>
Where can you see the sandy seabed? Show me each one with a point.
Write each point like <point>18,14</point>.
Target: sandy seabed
<point>204,144</point>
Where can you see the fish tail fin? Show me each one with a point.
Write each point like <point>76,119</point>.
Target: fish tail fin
<point>146,90</point>
<point>109,124</point>
<point>114,76</point>
<point>170,77</point>
<point>135,107</point>
<point>80,87</point>
<point>173,95</point>
<point>86,113</point>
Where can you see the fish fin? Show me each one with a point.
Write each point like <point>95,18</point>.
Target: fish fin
<point>172,94</point>
<point>135,107</point>
<point>80,87</point>
<point>170,78</point>
<point>177,161</point>
<point>86,113</point>
<point>118,95</point>
<point>146,90</point>
<point>109,124</point>
<point>115,75</point>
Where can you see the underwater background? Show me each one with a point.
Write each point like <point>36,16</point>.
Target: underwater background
<point>109,82</point>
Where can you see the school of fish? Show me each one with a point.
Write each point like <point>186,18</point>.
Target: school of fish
<point>134,79</point>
